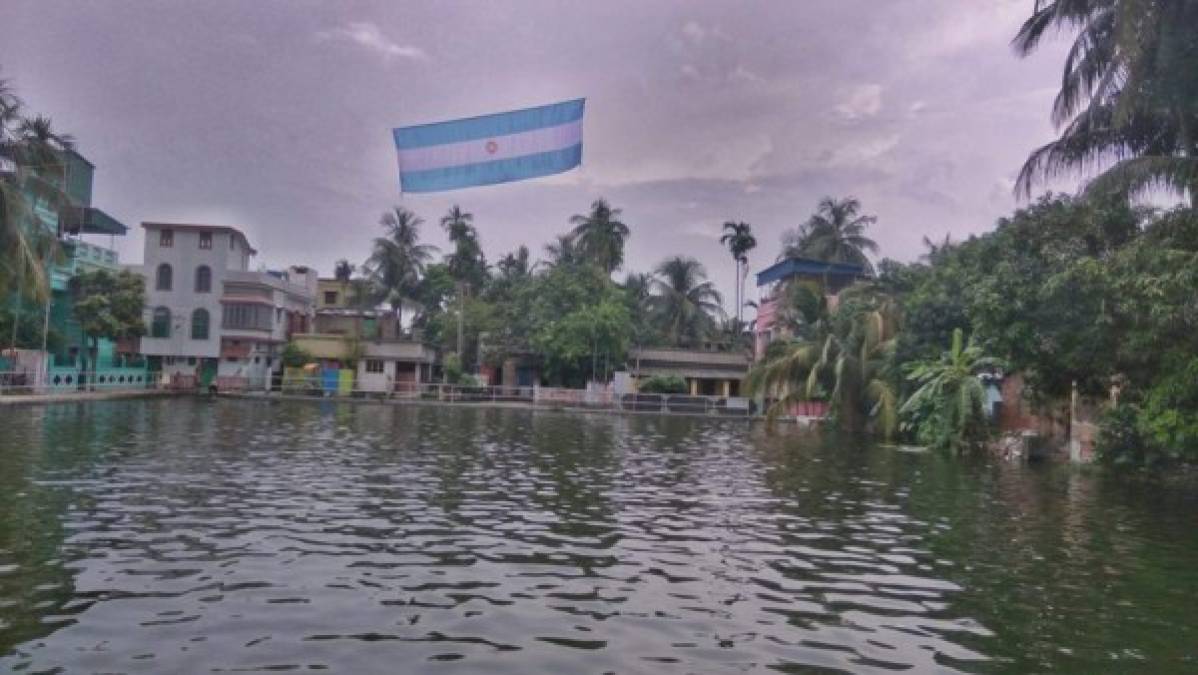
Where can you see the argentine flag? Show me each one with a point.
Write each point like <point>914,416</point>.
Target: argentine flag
<point>490,149</point>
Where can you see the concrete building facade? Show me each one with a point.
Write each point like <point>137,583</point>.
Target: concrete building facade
<point>208,315</point>
<point>371,341</point>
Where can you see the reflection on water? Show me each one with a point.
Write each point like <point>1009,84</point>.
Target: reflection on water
<point>191,536</point>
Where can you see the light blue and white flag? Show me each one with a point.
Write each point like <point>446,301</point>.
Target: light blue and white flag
<point>490,149</point>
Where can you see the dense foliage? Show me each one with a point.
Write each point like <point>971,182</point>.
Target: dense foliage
<point>663,384</point>
<point>1128,102</point>
<point>564,312</point>
<point>32,177</point>
<point>948,410</point>
<point>1087,291</point>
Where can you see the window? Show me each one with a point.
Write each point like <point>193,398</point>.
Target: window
<point>166,238</point>
<point>199,324</point>
<point>330,297</point>
<point>162,281</point>
<point>374,366</point>
<point>160,327</point>
<point>191,360</point>
<point>205,240</point>
<point>203,279</point>
<point>245,315</point>
<point>232,243</point>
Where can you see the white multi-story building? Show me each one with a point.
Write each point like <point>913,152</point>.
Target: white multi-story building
<point>208,315</point>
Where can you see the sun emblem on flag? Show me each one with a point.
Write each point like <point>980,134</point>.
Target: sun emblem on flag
<point>492,146</point>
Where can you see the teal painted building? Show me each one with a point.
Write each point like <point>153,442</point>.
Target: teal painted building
<point>80,230</point>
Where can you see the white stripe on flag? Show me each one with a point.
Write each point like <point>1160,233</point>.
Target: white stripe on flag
<point>490,149</point>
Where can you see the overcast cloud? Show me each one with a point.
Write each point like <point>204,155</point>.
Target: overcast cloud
<point>275,116</point>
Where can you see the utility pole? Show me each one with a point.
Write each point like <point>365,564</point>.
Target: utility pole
<point>461,318</point>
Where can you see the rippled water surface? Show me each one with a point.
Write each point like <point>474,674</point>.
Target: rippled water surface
<point>181,536</point>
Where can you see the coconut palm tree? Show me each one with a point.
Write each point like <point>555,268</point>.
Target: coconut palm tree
<point>600,235</point>
<point>1129,95</point>
<point>562,252</point>
<point>835,233</point>
<point>466,263</point>
<point>398,259</point>
<point>32,178</point>
<point>739,239</point>
<point>638,295</point>
<point>937,250</point>
<point>948,410</point>
<point>842,360</point>
<point>685,304</point>
<point>514,265</point>
<point>343,271</point>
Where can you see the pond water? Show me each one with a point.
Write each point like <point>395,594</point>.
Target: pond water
<point>186,536</point>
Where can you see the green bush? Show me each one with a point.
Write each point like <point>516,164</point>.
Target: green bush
<point>294,357</point>
<point>453,369</point>
<point>1169,416</point>
<point>663,385</point>
<point>1119,440</point>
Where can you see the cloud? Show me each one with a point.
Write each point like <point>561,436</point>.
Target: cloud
<point>367,34</point>
<point>694,31</point>
<point>862,101</point>
<point>743,74</point>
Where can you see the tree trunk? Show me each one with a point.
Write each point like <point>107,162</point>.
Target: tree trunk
<point>736,295</point>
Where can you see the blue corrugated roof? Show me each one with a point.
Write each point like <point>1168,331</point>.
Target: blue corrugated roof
<point>792,267</point>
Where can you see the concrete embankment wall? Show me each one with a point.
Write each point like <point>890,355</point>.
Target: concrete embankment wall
<point>78,397</point>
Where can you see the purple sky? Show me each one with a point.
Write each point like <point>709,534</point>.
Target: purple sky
<point>275,116</point>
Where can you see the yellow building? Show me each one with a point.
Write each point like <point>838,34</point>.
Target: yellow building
<point>707,372</point>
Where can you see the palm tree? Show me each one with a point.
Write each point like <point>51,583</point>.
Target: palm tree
<point>32,177</point>
<point>638,294</point>
<point>937,250</point>
<point>835,233</point>
<point>841,361</point>
<point>398,259</point>
<point>1129,95</point>
<point>562,252</point>
<point>685,304</point>
<point>948,410</point>
<point>600,235</point>
<point>343,271</point>
<point>739,239</point>
<point>515,265</point>
<point>466,262</point>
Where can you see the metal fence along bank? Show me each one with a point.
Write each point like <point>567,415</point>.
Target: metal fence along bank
<point>340,385</point>
<point>592,398</point>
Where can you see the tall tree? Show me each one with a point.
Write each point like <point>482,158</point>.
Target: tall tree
<point>1129,94</point>
<point>685,304</point>
<point>834,233</point>
<point>515,265</point>
<point>562,252</point>
<point>343,271</point>
<point>33,159</point>
<point>466,262</point>
<point>398,258</point>
<point>638,295</point>
<point>107,306</point>
<point>601,235</point>
<point>739,239</point>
